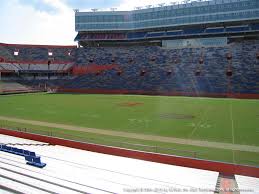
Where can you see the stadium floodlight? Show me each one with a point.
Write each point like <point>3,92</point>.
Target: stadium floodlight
<point>16,52</point>
<point>138,8</point>
<point>161,4</point>
<point>94,10</point>
<point>76,10</point>
<point>113,9</point>
<point>148,6</point>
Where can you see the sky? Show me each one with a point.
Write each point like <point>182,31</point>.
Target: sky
<point>52,21</point>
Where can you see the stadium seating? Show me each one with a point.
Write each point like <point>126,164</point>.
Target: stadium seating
<point>193,31</point>
<point>173,33</point>
<point>155,34</point>
<point>34,161</point>
<point>30,157</point>
<point>101,36</point>
<point>214,30</point>
<point>13,86</point>
<point>153,69</point>
<point>156,62</point>
<point>136,35</point>
<point>34,54</point>
<point>237,28</point>
<point>255,27</point>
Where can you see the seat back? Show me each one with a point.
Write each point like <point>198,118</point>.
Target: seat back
<point>28,158</point>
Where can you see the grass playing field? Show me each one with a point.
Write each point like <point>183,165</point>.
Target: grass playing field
<point>230,121</point>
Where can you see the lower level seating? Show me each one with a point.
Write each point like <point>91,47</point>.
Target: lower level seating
<point>146,69</point>
<point>232,68</point>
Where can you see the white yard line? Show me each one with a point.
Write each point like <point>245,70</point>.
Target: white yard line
<point>197,126</point>
<point>219,145</point>
<point>232,130</point>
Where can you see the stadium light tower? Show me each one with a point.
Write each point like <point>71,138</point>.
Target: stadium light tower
<point>148,6</point>
<point>94,10</point>
<point>76,10</point>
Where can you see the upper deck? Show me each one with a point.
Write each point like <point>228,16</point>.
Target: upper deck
<point>205,12</point>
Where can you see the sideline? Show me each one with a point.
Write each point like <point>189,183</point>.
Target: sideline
<point>219,145</point>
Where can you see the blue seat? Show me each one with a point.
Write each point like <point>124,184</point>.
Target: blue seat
<point>14,150</point>
<point>30,157</point>
<point>26,152</point>
<point>20,152</point>
<point>34,161</point>
<point>8,149</point>
<point>17,151</point>
<point>32,154</point>
<point>4,147</point>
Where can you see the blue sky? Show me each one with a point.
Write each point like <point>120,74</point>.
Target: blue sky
<point>51,21</point>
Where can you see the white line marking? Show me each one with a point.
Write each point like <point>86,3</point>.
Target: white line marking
<point>232,130</point>
<point>199,123</point>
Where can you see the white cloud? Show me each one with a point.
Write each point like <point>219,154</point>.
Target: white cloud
<point>26,25</point>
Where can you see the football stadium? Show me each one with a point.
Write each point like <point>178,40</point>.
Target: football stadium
<point>170,91</point>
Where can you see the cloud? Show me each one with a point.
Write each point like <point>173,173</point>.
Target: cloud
<point>88,4</point>
<point>51,21</point>
<point>39,5</point>
<point>24,23</point>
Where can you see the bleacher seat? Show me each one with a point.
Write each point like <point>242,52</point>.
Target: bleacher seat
<point>34,161</point>
<point>237,29</point>
<point>26,152</point>
<point>30,157</point>
<point>214,30</point>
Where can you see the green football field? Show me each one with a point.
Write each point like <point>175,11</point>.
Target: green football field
<point>212,120</point>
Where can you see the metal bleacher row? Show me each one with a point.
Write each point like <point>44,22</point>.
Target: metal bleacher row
<point>30,157</point>
<point>10,86</point>
<point>34,67</point>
